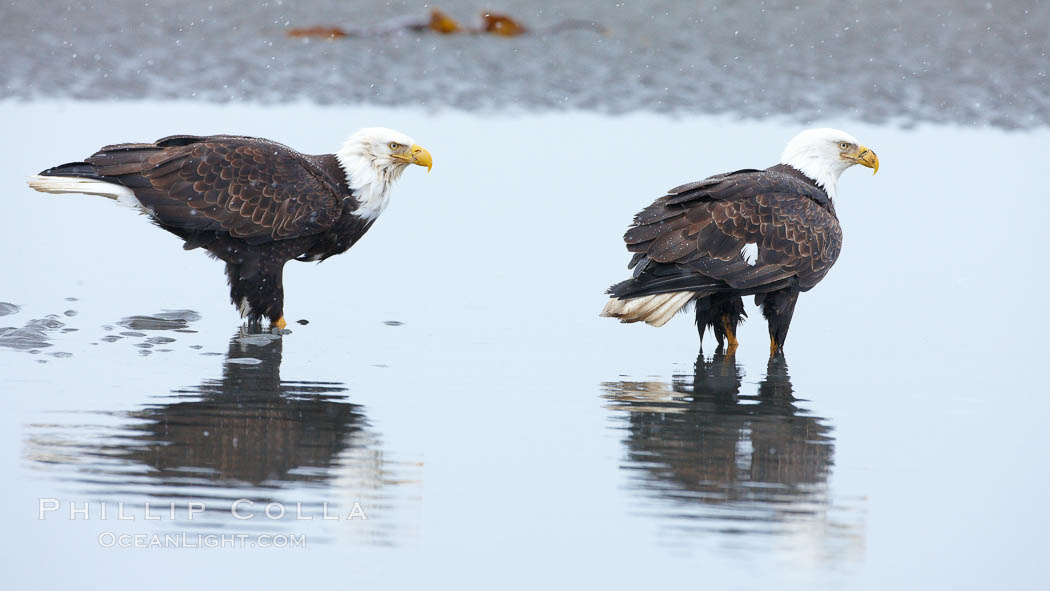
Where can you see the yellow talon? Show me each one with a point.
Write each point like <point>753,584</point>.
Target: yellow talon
<point>772,346</point>
<point>280,324</point>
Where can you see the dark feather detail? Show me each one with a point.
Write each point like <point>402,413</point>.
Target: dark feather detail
<point>789,218</point>
<point>251,188</point>
<point>74,169</point>
<point>692,240</point>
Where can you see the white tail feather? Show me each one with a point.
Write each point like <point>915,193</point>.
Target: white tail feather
<point>69,184</point>
<point>655,310</point>
<point>664,313</point>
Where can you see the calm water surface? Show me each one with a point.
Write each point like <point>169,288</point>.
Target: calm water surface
<point>247,435</point>
<point>455,383</point>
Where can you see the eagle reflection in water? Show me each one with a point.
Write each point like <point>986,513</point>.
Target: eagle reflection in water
<point>248,434</point>
<point>708,457</point>
<point>249,425</point>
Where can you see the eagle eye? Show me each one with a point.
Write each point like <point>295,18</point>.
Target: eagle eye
<point>843,145</point>
<point>394,145</point>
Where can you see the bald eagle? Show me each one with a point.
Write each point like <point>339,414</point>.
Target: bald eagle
<point>769,233</point>
<point>253,203</point>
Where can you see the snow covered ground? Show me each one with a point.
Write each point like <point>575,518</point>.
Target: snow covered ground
<point>965,62</point>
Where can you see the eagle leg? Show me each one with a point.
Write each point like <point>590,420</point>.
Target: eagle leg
<point>723,313</point>
<point>778,307</point>
<point>704,319</point>
<point>729,326</point>
<point>728,360</point>
<point>257,290</point>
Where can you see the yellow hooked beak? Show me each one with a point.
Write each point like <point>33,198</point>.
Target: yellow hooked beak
<point>865,157</point>
<point>416,155</point>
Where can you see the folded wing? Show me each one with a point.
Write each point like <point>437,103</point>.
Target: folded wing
<point>745,232</point>
<point>251,188</point>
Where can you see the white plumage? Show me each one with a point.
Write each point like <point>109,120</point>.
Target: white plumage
<point>815,153</point>
<point>750,254</point>
<point>366,159</point>
<point>65,184</point>
<point>654,310</point>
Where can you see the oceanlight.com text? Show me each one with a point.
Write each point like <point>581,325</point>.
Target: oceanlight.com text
<point>123,540</point>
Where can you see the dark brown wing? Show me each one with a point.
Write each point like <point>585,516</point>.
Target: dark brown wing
<point>693,238</point>
<point>252,188</point>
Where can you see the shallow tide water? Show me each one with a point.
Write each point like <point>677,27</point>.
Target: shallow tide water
<point>455,384</point>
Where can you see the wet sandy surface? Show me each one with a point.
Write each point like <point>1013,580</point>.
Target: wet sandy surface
<point>454,379</point>
<point>968,62</point>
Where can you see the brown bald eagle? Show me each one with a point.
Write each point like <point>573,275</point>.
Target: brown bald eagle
<point>770,233</point>
<point>250,202</point>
